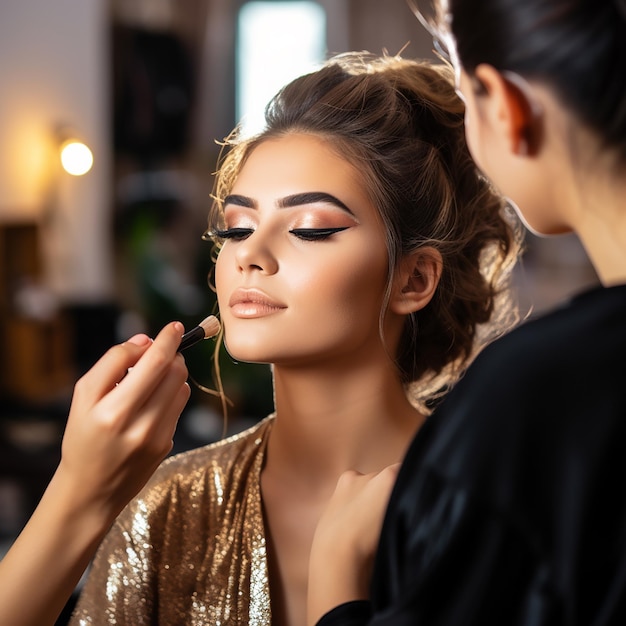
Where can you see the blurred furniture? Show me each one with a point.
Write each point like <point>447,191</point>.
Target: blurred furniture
<point>36,352</point>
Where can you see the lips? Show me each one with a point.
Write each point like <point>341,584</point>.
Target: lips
<point>253,303</point>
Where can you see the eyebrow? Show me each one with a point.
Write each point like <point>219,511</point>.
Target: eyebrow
<point>297,199</point>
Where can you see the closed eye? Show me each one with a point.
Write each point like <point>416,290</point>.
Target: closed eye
<point>238,234</point>
<point>315,234</point>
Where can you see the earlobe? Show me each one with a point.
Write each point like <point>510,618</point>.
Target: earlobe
<point>416,281</point>
<point>517,111</point>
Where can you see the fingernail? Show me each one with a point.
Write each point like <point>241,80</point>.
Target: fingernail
<point>140,340</point>
<point>179,327</point>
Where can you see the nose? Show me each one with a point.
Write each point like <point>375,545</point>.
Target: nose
<point>254,253</point>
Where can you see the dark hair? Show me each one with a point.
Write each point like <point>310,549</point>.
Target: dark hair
<point>577,47</point>
<point>401,121</point>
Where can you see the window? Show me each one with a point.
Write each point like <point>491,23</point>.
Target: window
<point>277,41</point>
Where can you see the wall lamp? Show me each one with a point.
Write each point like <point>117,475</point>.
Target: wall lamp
<point>76,157</point>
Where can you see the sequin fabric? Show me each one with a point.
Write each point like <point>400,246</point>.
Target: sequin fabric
<point>190,549</point>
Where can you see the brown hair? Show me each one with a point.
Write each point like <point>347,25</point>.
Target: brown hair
<point>401,121</point>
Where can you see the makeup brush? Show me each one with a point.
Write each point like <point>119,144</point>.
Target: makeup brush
<point>208,327</point>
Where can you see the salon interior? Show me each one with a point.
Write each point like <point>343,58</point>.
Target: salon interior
<point>111,118</point>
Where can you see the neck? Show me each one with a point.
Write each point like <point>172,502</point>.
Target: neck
<point>601,226</point>
<point>591,191</point>
<point>332,420</point>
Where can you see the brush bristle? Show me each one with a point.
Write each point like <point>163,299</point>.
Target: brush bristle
<point>211,326</point>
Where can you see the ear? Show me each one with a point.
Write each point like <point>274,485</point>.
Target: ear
<point>513,108</point>
<point>416,280</point>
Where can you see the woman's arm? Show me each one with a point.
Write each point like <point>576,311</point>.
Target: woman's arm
<point>120,428</point>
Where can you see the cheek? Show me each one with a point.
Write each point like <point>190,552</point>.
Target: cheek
<point>357,285</point>
<point>222,276</point>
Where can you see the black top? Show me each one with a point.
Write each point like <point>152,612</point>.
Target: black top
<point>510,506</point>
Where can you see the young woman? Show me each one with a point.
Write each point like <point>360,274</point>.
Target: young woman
<point>119,429</point>
<point>509,507</point>
<point>362,254</point>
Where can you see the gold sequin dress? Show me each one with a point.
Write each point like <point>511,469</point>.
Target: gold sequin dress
<point>190,549</point>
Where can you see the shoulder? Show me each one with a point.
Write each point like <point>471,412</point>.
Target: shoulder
<point>201,477</point>
<point>567,343</point>
<point>236,450</point>
<point>530,399</point>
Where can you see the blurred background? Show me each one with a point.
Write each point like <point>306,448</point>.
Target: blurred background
<point>148,89</point>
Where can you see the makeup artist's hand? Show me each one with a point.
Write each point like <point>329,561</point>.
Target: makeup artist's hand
<point>347,536</point>
<point>121,424</point>
<point>116,436</point>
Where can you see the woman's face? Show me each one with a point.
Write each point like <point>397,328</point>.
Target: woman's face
<point>303,268</point>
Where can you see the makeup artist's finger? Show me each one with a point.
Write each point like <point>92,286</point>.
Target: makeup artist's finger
<point>113,366</point>
<point>110,368</point>
<point>148,372</point>
<point>172,392</point>
<point>155,422</point>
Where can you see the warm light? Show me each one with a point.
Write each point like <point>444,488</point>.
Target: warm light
<point>76,157</point>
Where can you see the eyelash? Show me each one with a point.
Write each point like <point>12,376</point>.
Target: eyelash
<point>306,234</point>
<point>238,234</point>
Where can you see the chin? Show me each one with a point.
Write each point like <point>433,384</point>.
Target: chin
<point>247,352</point>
